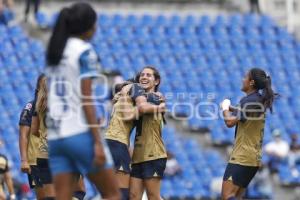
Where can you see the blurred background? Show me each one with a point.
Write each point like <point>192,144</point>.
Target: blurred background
<point>202,49</point>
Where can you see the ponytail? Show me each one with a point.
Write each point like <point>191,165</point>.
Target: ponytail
<point>58,39</point>
<point>37,86</point>
<point>73,21</point>
<point>268,94</point>
<point>41,102</point>
<point>263,82</point>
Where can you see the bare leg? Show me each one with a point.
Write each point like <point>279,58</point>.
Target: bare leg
<point>64,186</point>
<point>229,190</point>
<point>106,183</point>
<point>39,192</point>
<point>240,193</point>
<point>136,188</point>
<point>152,186</point>
<point>123,179</point>
<point>49,190</point>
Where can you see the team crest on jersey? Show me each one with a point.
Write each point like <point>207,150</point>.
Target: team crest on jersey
<point>28,106</point>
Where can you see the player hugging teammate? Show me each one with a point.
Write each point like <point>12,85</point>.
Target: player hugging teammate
<point>138,104</point>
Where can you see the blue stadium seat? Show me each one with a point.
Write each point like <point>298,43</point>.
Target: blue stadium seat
<point>194,54</point>
<point>42,20</point>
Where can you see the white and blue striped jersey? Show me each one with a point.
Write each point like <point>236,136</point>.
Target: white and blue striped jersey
<point>65,116</point>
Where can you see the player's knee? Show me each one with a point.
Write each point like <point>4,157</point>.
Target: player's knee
<point>153,195</point>
<point>133,195</point>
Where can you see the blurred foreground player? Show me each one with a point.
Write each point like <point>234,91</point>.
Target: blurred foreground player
<point>75,143</point>
<point>249,120</point>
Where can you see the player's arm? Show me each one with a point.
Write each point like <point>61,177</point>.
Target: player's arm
<point>10,185</point>
<point>89,68</point>
<point>161,97</point>
<point>24,131</point>
<point>145,107</point>
<point>23,145</point>
<point>138,95</point>
<point>90,114</point>
<point>116,98</point>
<point>229,119</point>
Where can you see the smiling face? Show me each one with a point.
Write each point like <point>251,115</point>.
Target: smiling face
<point>147,80</point>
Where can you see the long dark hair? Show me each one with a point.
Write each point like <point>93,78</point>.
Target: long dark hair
<point>38,84</point>
<point>72,21</point>
<point>118,87</point>
<point>263,82</point>
<point>155,73</point>
<point>41,101</point>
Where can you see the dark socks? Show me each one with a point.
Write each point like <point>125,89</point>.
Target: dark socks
<point>79,195</point>
<point>231,198</point>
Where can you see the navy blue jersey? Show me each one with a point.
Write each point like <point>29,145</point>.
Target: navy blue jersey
<point>153,98</point>
<point>249,103</point>
<point>26,114</point>
<point>249,132</point>
<point>136,91</point>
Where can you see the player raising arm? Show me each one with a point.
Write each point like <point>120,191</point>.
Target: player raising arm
<point>249,121</point>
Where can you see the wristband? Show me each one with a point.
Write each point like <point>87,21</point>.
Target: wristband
<point>12,197</point>
<point>225,104</point>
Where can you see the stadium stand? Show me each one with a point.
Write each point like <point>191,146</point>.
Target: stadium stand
<point>218,52</point>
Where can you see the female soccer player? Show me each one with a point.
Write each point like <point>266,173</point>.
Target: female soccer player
<point>38,128</point>
<point>149,154</point>
<point>121,124</point>
<point>249,120</point>
<point>28,144</point>
<point>75,144</point>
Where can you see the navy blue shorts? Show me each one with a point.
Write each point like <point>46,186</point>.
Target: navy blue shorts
<point>149,169</point>
<point>34,177</point>
<point>240,175</point>
<point>44,170</point>
<point>120,155</point>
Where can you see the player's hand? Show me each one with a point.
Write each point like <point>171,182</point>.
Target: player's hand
<point>25,168</point>
<point>99,157</point>
<point>162,108</point>
<point>225,104</point>
<point>161,97</point>
<point>116,97</point>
